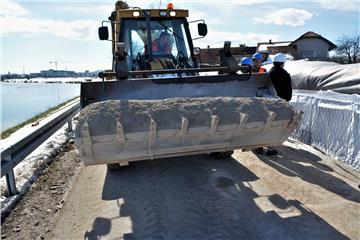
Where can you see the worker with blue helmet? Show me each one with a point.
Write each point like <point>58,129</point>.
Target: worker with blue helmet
<point>257,56</point>
<point>257,60</point>
<point>246,61</point>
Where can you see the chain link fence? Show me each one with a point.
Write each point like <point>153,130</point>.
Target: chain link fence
<point>331,123</point>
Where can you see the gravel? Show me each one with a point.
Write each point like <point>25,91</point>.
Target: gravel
<point>135,115</point>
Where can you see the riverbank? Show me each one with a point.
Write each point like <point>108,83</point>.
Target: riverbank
<point>22,101</point>
<point>34,120</point>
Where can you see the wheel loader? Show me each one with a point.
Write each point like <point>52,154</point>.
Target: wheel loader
<point>159,101</point>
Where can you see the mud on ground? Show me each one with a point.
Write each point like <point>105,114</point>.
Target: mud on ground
<point>35,213</point>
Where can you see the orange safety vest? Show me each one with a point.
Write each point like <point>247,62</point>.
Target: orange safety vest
<point>156,47</point>
<point>262,70</point>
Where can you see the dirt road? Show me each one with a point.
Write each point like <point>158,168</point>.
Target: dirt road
<point>294,195</point>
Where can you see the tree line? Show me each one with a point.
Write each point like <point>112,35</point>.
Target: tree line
<point>348,49</point>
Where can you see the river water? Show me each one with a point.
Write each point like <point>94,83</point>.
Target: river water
<point>21,101</point>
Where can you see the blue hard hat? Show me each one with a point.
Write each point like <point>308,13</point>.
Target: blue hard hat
<point>257,56</point>
<point>246,61</point>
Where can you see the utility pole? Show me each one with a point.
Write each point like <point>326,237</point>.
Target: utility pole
<point>55,62</point>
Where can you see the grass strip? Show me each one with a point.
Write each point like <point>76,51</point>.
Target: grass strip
<point>6,133</point>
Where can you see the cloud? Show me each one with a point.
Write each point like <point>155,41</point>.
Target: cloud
<point>216,38</point>
<point>76,30</point>
<point>16,19</point>
<point>286,16</point>
<point>232,2</point>
<point>249,2</point>
<point>340,5</point>
<point>92,9</point>
<point>12,9</point>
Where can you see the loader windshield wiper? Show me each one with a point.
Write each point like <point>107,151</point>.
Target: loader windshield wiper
<point>167,28</point>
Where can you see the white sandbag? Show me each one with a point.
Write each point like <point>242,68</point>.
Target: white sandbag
<point>317,75</point>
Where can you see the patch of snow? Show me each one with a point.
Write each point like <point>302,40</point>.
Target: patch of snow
<point>265,47</point>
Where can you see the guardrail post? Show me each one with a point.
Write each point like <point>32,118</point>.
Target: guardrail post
<point>70,128</point>
<point>10,180</point>
<point>11,184</point>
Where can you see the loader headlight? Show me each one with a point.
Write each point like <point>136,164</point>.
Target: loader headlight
<point>163,13</point>
<point>196,51</point>
<point>172,13</point>
<point>136,14</point>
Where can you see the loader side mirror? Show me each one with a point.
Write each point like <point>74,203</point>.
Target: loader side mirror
<point>202,29</point>
<point>103,33</point>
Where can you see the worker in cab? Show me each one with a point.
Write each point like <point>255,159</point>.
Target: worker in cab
<point>257,61</point>
<point>246,62</point>
<point>162,45</point>
<point>280,78</point>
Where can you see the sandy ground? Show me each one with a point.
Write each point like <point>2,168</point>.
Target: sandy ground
<point>293,195</point>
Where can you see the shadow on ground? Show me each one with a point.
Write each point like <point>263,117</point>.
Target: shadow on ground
<point>305,165</point>
<point>202,198</point>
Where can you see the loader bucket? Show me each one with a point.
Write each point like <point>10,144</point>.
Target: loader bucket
<point>124,121</point>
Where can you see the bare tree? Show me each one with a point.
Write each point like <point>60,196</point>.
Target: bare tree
<point>349,47</point>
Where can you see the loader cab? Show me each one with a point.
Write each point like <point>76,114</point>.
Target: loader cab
<point>157,44</point>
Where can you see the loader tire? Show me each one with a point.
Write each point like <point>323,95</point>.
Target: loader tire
<point>114,166</point>
<point>220,155</point>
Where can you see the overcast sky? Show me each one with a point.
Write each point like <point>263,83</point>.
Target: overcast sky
<point>35,32</point>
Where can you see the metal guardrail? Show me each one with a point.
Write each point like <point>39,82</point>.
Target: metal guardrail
<point>14,154</point>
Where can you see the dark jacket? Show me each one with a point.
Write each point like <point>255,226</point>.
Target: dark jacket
<point>281,80</point>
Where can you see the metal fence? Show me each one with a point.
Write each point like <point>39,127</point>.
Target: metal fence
<point>15,153</point>
<point>331,123</point>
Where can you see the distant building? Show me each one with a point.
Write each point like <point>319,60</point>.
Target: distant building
<point>312,46</point>
<point>12,76</point>
<point>276,47</point>
<point>51,73</point>
<point>84,74</point>
<point>212,55</point>
<point>34,75</point>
